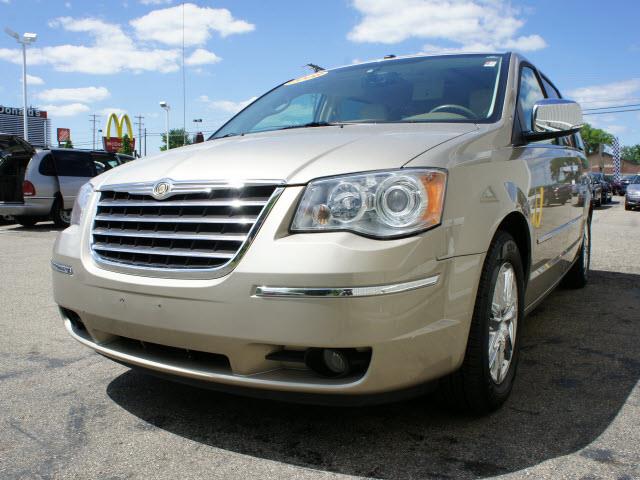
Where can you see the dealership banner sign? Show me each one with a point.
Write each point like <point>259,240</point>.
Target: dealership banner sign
<point>114,143</point>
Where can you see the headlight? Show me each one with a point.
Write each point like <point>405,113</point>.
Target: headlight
<point>84,194</point>
<point>377,204</point>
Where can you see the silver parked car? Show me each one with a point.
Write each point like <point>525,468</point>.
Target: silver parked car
<point>37,185</point>
<point>357,234</point>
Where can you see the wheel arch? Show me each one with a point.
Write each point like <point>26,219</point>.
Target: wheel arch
<point>516,224</point>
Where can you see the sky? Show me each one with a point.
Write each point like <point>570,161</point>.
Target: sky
<point>98,57</point>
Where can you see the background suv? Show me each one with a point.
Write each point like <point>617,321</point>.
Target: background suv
<point>38,185</point>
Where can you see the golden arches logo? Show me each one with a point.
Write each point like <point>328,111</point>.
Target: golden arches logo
<point>120,122</point>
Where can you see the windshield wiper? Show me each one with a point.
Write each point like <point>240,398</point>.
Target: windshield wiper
<point>310,125</point>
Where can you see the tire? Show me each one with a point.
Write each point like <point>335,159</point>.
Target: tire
<point>474,386</point>
<point>578,275</point>
<point>26,221</point>
<point>603,198</point>
<point>627,207</point>
<point>60,216</point>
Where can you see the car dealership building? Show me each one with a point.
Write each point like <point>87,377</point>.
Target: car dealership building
<point>11,121</point>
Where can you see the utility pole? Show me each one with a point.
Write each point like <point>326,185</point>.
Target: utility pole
<point>140,118</point>
<point>145,141</point>
<point>92,119</point>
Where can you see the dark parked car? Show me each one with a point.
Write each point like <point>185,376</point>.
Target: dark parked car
<point>633,196</point>
<point>605,188</point>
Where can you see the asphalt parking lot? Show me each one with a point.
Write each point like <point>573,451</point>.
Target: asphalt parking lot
<point>66,412</point>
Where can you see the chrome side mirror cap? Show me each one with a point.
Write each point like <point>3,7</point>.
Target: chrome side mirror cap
<point>554,117</point>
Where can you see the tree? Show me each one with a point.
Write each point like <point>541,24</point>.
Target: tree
<point>631,153</point>
<point>177,138</point>
<point>594,137</point>
<point>67,144</point>
<point>126,145</point>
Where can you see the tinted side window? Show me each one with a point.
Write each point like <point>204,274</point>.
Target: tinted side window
<point>74,164</point>
<point>530,93</point>
<point>47,167</point>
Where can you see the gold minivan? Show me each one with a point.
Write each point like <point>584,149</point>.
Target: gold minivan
<point>359,234</point>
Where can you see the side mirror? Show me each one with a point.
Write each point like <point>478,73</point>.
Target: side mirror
<point>553,118</point>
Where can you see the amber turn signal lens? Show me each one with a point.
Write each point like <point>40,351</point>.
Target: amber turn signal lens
<point>434,184</point>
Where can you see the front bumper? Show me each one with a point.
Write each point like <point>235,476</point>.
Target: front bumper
<point>415,335</point>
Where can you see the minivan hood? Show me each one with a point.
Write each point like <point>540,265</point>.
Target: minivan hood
<point>294,156</point>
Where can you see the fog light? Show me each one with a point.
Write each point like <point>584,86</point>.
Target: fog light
<point>328,362</point>
<point>335,361</point>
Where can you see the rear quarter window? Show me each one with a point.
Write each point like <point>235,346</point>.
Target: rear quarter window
<point>47,167</point>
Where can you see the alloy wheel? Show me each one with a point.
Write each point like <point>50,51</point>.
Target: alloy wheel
<point>503,323</point>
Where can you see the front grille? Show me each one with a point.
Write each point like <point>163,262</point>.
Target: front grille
<point>202,229</point>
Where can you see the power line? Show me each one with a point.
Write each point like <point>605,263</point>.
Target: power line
<point>613,111</point>
<point>613,106</point>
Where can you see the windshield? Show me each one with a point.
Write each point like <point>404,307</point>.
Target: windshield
<point>455,88</point>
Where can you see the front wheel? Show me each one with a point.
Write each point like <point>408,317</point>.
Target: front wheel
<point>485,380</point>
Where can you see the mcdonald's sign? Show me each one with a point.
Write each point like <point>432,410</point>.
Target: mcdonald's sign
<point>113,144</point>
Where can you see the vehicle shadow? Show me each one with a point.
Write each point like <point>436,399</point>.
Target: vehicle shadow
<point>580,359</point>
<point>38,227</point>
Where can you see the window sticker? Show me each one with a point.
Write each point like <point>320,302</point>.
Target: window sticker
<point>307,77</point>
<point>490,63</point>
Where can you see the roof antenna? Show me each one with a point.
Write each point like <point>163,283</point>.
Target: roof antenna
<point>314,67</point>
<point>387,57</point>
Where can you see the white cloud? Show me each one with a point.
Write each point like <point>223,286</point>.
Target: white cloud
<point>228,106</point>
<point>68,110</point>
<point>84,94</point>
<point>155,2</point>
<point>111,51</point>
<point>33,80</point>
<point>200,56</point>
<point>607,95</point>
<point>108,49</point>
<point>165,25</point>
<point>471,25</point>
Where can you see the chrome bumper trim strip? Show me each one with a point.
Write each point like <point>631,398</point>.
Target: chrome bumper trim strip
<point>341,292</point>
<point>61,268</point>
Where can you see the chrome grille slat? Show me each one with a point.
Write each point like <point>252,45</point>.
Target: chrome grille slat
<point>172,219</point>
<point>170,252</point>
<point>112,232</point>
<point>188,203</point>
<point>194,231</point>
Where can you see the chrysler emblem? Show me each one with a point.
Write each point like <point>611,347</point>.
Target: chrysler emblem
<point>161,189</point>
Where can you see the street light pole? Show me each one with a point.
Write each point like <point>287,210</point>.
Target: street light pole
<point>24,91</point>
<point>26,39</point>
